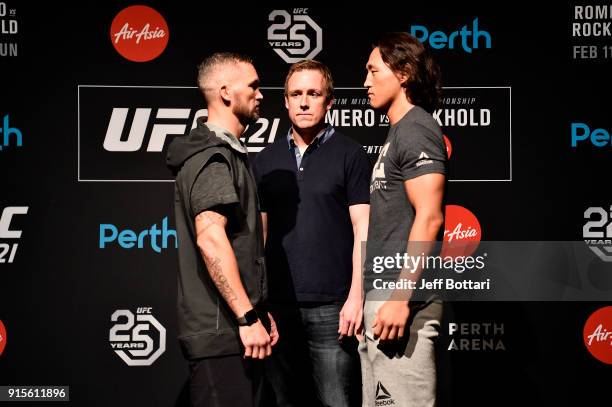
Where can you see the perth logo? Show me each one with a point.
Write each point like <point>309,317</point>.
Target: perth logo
<point>137,339</point>
<point>139,33</point>
<point>296,36</point>
<point>383,398</point>
<point>9,135</point>
<point>597,232</point>
<point>467,38</point>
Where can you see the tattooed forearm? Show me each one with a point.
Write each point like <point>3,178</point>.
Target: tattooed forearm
<point>216,273</point>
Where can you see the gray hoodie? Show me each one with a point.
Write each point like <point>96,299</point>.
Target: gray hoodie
<point>207,326</point>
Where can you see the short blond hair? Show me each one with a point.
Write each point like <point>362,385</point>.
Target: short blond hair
<point>312,65</point>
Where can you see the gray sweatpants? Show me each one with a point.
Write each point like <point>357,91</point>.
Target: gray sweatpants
<point>401,373</point>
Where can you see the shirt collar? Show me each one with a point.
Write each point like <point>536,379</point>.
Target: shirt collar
<point>228,137</point>
<point>321,138</point>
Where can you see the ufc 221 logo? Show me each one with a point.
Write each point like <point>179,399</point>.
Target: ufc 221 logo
<point>597,232</point>
<point>138,339</point>
<point>256,136</point>
<point>114,142</point>
<point>296,36</point>
<point>8,249</point>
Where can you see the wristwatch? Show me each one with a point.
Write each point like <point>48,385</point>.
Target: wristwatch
<point>248,319</point>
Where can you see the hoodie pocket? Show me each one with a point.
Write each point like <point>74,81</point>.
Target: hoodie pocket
<point>262,278</point>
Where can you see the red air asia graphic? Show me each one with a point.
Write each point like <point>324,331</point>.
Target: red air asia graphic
<point>449,147</point>
<point>2,337</point>
<point>597,334</point>
<point>139,33</point>
<point>462,232</point>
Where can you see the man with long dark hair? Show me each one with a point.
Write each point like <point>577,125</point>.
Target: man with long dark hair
<point>406,216</point>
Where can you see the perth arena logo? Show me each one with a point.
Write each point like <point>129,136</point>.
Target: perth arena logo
<point>597,334</point>
<point>295,36</point>
<point>597,231</point>
<point>139,33</point>
<point>138,339</point>
<point>476,336</point>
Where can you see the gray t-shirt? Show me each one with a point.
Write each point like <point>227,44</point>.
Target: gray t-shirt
<point>414,147</point>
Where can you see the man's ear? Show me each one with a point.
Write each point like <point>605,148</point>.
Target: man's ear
<point>225,94</point>
<point>330,104</point>
<point>286,103</point>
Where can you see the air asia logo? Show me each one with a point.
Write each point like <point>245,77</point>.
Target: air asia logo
<point>597,334</point>
<point>597,232</point>
<point>462,232</point>
<point>449,147</point>
<point>476,336</point>
<point>9,250</point>
<point>128,239</point>
<point>294,37</point>
<point>9,135</point>
<point>383,398</point>
<point>2,337</point>
<point>139,339</point>
<point>139,33</point>
<point>597,137</point>
<point>8,26</point>
<point>467,39</point>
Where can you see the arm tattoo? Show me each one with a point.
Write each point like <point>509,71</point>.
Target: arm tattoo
<point>205,220</point>
<point>216,273</point>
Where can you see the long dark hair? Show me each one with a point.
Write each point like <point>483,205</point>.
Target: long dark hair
<point>403,53</point>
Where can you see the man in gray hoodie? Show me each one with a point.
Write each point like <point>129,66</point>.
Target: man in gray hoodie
<point>223,328</point>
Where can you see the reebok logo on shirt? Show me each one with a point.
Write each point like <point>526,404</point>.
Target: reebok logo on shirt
<point>423,159</point>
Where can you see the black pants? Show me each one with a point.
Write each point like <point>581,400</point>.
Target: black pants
<point>225,381</point>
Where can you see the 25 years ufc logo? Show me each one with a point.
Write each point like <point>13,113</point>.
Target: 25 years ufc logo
<point>294,37</point>
<point>138,339</point>
<point>597,232</point>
